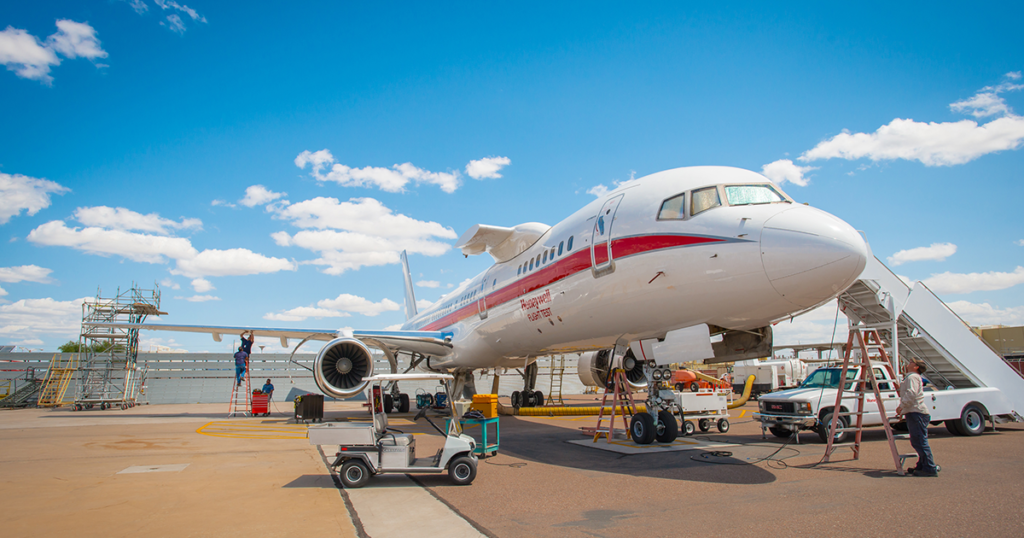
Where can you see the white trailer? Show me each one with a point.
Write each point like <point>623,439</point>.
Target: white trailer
<point>770,376</point>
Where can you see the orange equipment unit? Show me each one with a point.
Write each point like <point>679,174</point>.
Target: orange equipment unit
<point>486,404</point>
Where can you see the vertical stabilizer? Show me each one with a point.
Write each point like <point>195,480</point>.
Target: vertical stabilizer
<point>410,297</point>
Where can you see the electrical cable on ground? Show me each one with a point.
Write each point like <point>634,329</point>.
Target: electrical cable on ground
<point>780,463</point>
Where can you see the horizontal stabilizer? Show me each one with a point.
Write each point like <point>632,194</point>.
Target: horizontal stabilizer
<point>500,242</point>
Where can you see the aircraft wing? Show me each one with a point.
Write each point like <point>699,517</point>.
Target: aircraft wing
<point>431,343</point>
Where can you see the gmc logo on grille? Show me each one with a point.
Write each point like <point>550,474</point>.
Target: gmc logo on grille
<point>775,407</point>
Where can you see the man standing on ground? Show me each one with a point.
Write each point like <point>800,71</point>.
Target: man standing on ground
<point>268,389</point>
<point>912,405</point>
<point>241,357</point>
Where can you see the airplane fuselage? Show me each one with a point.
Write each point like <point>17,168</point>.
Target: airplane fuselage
<point>733,252</point>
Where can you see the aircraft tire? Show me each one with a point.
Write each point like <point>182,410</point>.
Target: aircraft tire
<point>642,429</point>
<point>668,428</point>
<point>538,399</point>
<point>389,403</point>
<point>403,403</point>
<point>517,399</point>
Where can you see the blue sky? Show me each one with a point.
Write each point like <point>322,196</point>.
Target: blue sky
<point>265,164</point>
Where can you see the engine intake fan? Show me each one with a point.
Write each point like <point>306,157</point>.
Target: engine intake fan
<point>594,369</point>
<point>342,366</point>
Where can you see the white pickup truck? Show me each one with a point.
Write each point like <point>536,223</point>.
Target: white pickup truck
<point>811,405</point>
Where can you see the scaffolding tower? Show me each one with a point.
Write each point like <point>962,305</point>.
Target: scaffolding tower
<point>110,374</point>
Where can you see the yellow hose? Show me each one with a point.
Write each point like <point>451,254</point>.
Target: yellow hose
<point>572,411</point>
<point>746,392</point>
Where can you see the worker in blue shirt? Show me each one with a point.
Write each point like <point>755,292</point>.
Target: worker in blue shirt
<point>268,389</point>
<point>241,358</point>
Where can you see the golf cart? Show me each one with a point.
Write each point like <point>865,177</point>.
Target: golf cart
<point>366,449</point>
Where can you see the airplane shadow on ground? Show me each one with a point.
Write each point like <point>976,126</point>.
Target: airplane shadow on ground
<point>532,442</point>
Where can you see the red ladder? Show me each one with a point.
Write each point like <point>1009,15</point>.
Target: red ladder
<point>871,347</point>
<point>621,393</point>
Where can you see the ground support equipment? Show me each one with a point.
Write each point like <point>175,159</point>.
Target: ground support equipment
<point>487,444</point>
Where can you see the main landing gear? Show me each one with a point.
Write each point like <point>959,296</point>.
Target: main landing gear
<point>528,397</point>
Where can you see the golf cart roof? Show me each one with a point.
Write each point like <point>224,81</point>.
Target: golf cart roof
<point>410,377</point>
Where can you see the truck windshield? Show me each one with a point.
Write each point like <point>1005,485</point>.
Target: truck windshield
<point>827,378</point>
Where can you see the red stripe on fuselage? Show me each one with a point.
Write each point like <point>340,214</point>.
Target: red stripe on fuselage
<point>568,266</point>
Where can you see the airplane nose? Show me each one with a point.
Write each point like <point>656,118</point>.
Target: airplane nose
<point>811,256</point>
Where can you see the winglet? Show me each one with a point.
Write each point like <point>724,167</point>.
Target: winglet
<point>410,297</point>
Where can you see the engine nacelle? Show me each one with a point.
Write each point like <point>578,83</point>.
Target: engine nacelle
<point>341,367</point>
<point>594,368</point>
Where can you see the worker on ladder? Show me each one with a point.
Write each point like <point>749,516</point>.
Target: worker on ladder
<point>241,360</point>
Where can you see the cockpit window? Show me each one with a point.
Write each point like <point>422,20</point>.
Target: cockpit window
<point>672,208</point>
<point>704,199</point>
<point>752,194</point>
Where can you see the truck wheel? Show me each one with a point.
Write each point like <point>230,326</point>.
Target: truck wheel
<point>389,403</point>
<point>704,425</point>
<point>462,471</point>
<point>952,426</point>
<point>779,432</point>
<point>641,428</point>
<point>668,428</point>
<point>826,423</point>
<point>723,425</point>
<point>680,387</point>
<point>403,403</point>
<point>972,420</point>
<point>688,428</point>
<point>354,474</point>
<point>694,387</point>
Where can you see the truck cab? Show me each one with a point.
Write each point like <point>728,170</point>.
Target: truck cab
<point>811,405</point>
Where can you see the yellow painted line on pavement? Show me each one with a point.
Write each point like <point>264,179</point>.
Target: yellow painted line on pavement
<point>243,430</point>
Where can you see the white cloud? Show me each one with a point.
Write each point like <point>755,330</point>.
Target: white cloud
<point>119,218</point>
<point>341,306</point>
<point>134,246</point>
<point>487,167</point>
<point>76,40</point>
<point>423,304</point>
<point>934,144</point>
<point>784,170</point>
<point>986,314</point>
<point>936,252</point>
<point>23,53</point>
<point>30,318</point>
<point>371,234</point>
<point>966,283</point>
<point>201,285</point>
<point>25,273</point>
<point>171,4</point>
<point>170,283</point>
<point>20,192</point>
<point>395,327</point>
<point>174,24</point>
<point>601,190</point>
<point>259,195</point>
<point>2,293</point>
<point>231,262</point>
<point>428,284</point>
<point>139,6</point>
<point>199,298</point>
<point>392,179</point>
<point>173,21</point>
<point>224,203</point>
<point>1020,242</point>
<point>598,190</point>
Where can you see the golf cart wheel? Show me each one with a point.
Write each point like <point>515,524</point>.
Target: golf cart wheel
<point>704,425</point>
<point>694,387</point>
<point>389,403</point>
<point>642,428</point>
<point>668,428</point>
<point>688,427</point>
<point>462,471</point>
<point>403,403</point>
<point>723,425</point>
<point>354,474</point>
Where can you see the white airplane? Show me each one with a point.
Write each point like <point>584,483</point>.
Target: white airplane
<point>697,252</point>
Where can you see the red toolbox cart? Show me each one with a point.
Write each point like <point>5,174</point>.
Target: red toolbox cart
<point>260,404</point>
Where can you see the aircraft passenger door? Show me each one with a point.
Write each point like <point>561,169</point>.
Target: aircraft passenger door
<point>600,245</point>
<point>486,286</point>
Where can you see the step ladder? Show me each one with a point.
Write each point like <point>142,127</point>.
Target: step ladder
<point>621,394</point>
<point>241,397</point>
<point>58,377</point>
<point>871,347</point>
<point>557,373</point>
<point>21,396</point>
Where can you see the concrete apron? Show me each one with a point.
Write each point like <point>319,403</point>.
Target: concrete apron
<point>393,505</point>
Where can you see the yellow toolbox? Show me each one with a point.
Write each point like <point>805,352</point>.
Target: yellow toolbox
<point>486,404</point>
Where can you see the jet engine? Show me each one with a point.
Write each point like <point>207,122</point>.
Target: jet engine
<point>594,368</point>
<point>342,366</point>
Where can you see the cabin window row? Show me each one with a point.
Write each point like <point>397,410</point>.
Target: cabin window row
<point>549,255</point>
